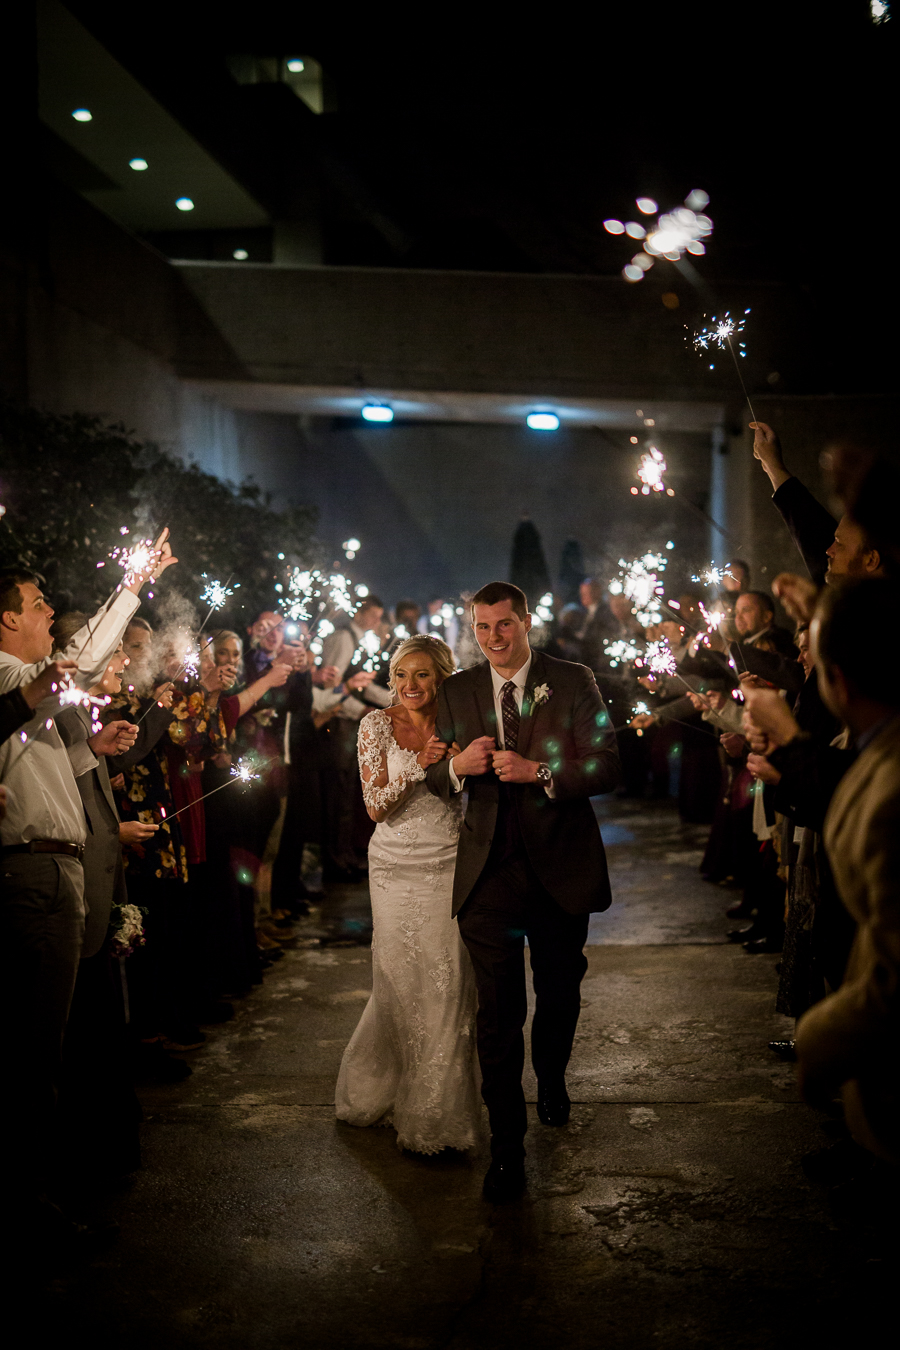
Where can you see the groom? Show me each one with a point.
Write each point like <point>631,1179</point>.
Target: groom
<point>537,744</point>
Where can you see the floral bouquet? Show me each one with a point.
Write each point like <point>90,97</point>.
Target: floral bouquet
<point>126,923</point>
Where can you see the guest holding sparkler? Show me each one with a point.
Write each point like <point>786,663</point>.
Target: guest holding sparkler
<point>347,828</point>
<point>97,1127</point>
<point>43,838</point>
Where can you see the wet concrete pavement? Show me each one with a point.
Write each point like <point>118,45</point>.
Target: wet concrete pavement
<point>672,1211</point>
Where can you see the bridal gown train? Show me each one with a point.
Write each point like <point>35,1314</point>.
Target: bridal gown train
<point>411,1062</point>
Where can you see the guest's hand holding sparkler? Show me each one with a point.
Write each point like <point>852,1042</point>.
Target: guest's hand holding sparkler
<point>114,739</point>
<point>278,674</point>
<point>767,449</point>
<point>164,694</point>
<point>360,680</point>
<point>760,768</point>
<point>45,684</point>
<point>733,744</point>
<point>135,832</point>
<point>326,677</point>
<point>642,720</point>
<point>216,679</point>
<point>147,562</point>
<point>767,711</point>
<point>797,594</point>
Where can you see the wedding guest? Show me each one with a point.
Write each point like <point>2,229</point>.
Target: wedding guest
<point>97,1122</point>
<point>347,828</point>
<point>43,837</point>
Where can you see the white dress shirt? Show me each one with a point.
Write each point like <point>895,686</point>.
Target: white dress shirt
<point>43,801</point>
<point>519,681</point>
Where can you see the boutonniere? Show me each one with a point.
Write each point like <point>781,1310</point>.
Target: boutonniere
<point>542,692</point>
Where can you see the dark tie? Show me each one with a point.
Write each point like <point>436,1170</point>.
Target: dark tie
<point>510,715</point>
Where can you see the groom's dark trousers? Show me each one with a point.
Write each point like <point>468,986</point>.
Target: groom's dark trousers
<point>528,865</point>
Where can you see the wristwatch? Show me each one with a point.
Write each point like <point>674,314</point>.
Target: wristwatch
<point>543,775</point>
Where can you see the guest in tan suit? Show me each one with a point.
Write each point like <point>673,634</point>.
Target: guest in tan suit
<point>850,1041</point>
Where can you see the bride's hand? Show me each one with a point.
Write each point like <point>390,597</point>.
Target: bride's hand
<point>435,750</point>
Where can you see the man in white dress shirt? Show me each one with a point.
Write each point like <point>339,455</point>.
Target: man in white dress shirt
<point>42,838</point>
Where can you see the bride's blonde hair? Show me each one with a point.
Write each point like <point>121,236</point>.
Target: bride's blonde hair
<point>435,647</point>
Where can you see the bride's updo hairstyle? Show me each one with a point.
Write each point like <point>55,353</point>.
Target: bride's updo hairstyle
<point>435,647</point>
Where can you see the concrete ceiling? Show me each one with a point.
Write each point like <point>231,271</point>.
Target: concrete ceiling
<point>648,417</point>
<point>127,122</point>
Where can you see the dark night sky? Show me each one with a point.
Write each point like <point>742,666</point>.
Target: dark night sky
<point>504,147</point>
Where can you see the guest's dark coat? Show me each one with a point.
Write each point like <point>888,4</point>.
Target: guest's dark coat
<point>572,732</point>
<point>104,875</point>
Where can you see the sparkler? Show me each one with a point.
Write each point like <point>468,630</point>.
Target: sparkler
<point>711,576</point>
<point>721,333</point>
<point>660,658</point>
<point>650,471</point>
<point>69,696</point>
<point>640,583</point>
<point>243,772</point>
<point>623,649</point>
<point>366,654</point>
<point>672,234</point>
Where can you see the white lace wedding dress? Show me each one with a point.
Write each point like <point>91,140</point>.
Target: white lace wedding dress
<point>411,1062</point>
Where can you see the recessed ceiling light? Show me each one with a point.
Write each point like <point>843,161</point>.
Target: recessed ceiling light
<point>377,412</point>
<point>542,421</point>
<point>295,65</point>
<point>240,254</point>
<point>184,204</point>
<point>83,115</point>
<point>138,164</point>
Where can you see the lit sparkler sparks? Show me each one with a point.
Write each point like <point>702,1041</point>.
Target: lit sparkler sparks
<point>639,581</point>
<point>137,560</point>
<point>366,655</point>
<point>351,547</point>
<point>714,618</point>
<point>711,576</point>
<point>623,649</point>
<point>719,333</point>
<point>641,709</point>
<point>244,772</point>
<point>215,594</point>
<point>660,658</point>
<point>651,469</point>
<point>672,234</point>
<point>723,333</point>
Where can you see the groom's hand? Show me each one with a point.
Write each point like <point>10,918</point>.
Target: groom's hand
<point>475,759</point>
<point>512,768</point>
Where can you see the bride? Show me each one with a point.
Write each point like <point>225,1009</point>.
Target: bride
<point>411,1061</point>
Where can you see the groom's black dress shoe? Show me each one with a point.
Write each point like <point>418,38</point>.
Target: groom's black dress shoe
<point>504,1181</point>
<point>553,1106</point>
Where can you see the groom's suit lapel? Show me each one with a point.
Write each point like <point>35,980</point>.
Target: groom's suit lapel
<point>484,700</point>
<point>529,711</point>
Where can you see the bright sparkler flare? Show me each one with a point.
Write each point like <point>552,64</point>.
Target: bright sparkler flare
<point>714,618</point>
<point>366,654</point>
<point>651,469</point>
<point>623,649</point>
<point>711,576</point>
<point>660,658</point>
<point>190,663</point>
<point>719,333</point>
<point>673,234</point>
<point>639,581</point>
<point>244,771</point>
<point>215,594</point>
<point>640,709</point>
<point>136,561</point>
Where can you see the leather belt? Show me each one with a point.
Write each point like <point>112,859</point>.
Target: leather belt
<point>47,846</point>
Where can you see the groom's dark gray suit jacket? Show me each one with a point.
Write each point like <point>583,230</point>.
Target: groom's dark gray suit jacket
<point>572,732</point>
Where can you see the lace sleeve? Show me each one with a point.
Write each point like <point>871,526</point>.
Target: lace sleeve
<point>380,792</point>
